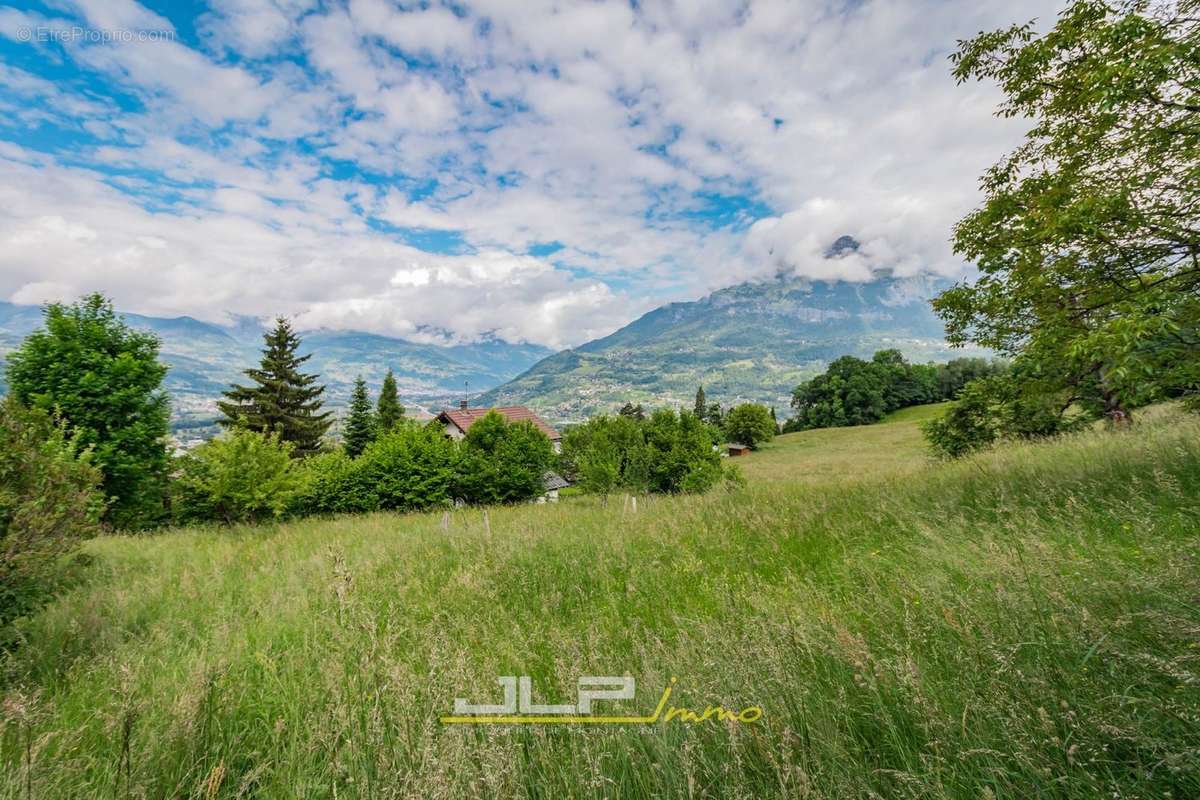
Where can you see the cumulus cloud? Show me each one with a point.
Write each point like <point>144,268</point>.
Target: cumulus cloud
<point>541,171</point>
<point>53,220</point>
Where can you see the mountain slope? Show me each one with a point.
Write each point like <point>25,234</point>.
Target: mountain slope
<point>205,358</point>
<point>753,341</point>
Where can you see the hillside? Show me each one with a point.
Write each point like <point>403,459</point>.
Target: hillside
<point>891,448</point>
<point>205,358</point>
<point>753,341</point>
<point>1020,624</point>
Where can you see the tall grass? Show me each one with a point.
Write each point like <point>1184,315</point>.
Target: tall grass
<point>1023,624</point>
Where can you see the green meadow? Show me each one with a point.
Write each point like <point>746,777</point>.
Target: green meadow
<point>1023,623</point>
<point>889,449</point>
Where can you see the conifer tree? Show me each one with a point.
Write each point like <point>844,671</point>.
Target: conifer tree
<point>701,408</point>
<point>389,411</point>
<point>715,415</point>
<point>360,422</point>
<point>282,399</point>
<point>632,411</point>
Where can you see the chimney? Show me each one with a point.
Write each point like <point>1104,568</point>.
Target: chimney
<point>462,405</point>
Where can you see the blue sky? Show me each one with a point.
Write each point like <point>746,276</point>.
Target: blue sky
<point>536,171</point>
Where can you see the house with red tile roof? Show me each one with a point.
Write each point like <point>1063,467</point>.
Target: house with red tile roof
<point>458,421</point>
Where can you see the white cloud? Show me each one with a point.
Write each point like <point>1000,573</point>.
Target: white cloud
<point>63,232</point>
<point>594,125</point>
<point>254,28</point>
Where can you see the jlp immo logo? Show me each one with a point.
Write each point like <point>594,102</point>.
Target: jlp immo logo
<point>518,708</point>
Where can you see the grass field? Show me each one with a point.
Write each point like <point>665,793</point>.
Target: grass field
<point>1022,624</point>
<point>892,448</point>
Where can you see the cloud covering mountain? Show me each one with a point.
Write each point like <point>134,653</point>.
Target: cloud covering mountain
<point>751,342</point>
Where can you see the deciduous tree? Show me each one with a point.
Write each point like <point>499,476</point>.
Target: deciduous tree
<point>504,462</point>
<point>749,424</point>
<point>104,380</point>
<point>1088,240</point>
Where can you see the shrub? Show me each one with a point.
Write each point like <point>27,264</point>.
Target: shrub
<point>503,462</point>
<point>243,476</point>
<point>333,483</point>
<point>971,423</point>
<point>750,424</point>
<point>50,499</point>
<point>409,468</point>
<point>665,452</point>
<point>990,409</point>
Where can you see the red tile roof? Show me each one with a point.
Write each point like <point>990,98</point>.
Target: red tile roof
<point>464,418</point>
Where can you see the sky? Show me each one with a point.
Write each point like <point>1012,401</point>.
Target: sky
<point>532,171</point>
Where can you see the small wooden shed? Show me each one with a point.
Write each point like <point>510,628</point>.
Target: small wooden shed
<point>736,449</point>
<point>552,481</point>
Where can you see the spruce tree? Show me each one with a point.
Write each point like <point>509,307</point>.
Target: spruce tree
<point>360,422</point>
<point>283,399</point>
<point>701,408</point>
<point>389,411</point>
<point>632,411</point>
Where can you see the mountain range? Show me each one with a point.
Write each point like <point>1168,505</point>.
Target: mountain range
<point>205,357</point>
<point>750,342</point>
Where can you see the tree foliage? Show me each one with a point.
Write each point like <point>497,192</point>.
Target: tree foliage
<point>632,411</point>
<point>409,468</point>
<point>601,453</point>
<point>714,415</point>
<point>241,476</point>
<point>388,412</point>
<point>360,421</point>
<point>749,424</point>
<point>956,373</point>
<point>50,499</point>
<point>104,380</point>
<point>849,392</point>
<point>665,452</point>
<point>994,408</point>
<point>1088,241</point>
<point>334,483</point>
<point>852,391</point>
<point>283,399</point>
<point>504,462</point>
